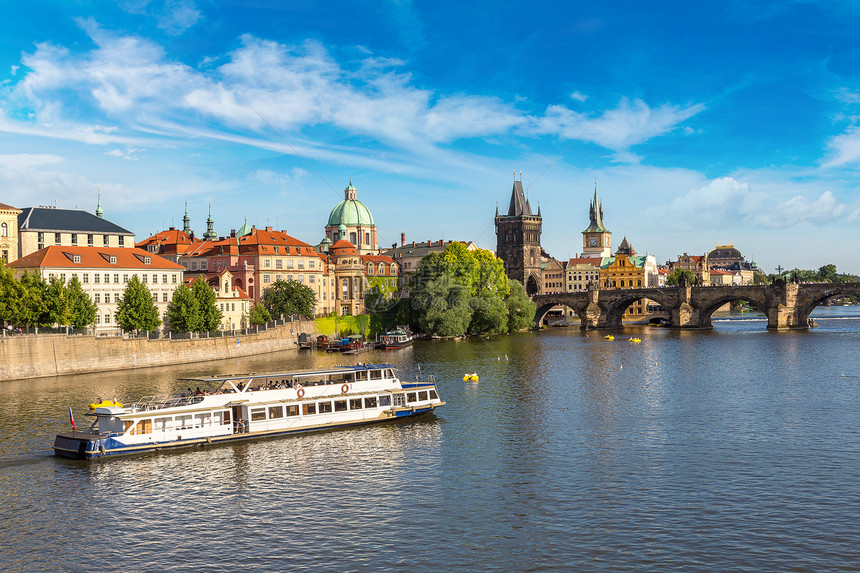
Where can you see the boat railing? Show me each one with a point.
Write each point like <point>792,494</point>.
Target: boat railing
<point>162,402</point>
<point>426,379</point>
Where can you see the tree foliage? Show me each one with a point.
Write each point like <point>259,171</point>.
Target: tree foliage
<point>259,315</point>
<point>34,303</point>
<point>210,316</point>
<point>675,277</point>
<point>459,291</point>
<point>82,309</point>
<point>521,309</point>
<point>57,305</point>
<point>183,312</point>
<point>136,310</point>
<point>284,298</point>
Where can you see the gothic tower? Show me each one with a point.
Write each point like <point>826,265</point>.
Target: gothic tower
<point>518,240</point>
<point>595,239</point>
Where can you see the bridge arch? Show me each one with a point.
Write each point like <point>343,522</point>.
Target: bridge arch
<point>706,311</point>
<point>620,300</point>
<point>809,299</point>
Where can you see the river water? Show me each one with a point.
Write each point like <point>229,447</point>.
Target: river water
<point>734,449</point>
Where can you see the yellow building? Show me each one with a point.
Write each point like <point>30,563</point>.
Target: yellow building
<point>8,232</point>
<point>626,271</point>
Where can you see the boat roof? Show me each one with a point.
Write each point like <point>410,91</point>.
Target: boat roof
<point>289,373</point>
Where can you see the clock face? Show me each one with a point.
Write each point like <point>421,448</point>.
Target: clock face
<point>593,241</point>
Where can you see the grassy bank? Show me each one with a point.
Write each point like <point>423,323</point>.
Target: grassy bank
<point>346,325</point>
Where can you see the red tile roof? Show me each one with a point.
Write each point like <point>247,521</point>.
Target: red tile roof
<point>93,258</point>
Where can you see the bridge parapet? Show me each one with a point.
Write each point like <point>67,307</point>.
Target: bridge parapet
<point>786,305</point>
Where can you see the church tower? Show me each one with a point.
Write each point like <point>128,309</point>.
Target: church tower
<point>518,240</point>
<point>596,238</point>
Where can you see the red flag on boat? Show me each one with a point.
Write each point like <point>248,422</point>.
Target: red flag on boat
<point>71,418</point>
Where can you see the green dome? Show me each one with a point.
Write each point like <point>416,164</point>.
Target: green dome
<point>350,211</point>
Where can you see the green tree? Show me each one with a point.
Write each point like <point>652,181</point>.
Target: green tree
<point>284,298</point>
<point>675,277</point>
<point>521,309</point>
<point>183,312</point>
<point>489,314</point>
<point>259,315</point>
<point>34,306</point>
<point>11,294</point>
<point>445,308</point>
<point>58,309</point>
<point>136,310</point>
<point>828,273</point>
<point>210,316</point>
<point>81,307</point>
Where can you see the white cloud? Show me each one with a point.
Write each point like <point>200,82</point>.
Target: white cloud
<point>576,96</point>
<point>27,160</point>
<point>618,129</point>
<point>844,148</point>
<point>178,16</point>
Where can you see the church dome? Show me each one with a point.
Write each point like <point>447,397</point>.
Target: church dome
<point>350,211</point>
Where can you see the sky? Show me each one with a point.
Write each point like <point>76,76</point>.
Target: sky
<point>700,123</point>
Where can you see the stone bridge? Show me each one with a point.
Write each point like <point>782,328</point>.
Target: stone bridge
<point>786,305</point>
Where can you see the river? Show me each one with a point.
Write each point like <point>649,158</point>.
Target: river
<point>730,449</point>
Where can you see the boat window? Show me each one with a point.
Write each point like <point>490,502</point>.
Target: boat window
<point>389,373</point>
<point>183,422</point>
<point>350,377</point>
<point>292,410</point>
<point>276,412</point>
<point>340,405</point>
<point>259,414</point>
<point>202,420</point>
<point>370,402</point>
<point>422,396</point>
<point>376,374</point>
<point>225,417</point>
<point>355,404</point>
<point>411,397</point>
<point>324,407</point>
<point>309,409</point>
<point>163,423</point>
<point>383,401</point>
<point>335,379</point>
<point>142,427</point>
<point>128,424</point>
<point>433,395</point>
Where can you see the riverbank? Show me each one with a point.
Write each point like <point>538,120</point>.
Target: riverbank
<point>23,357</point>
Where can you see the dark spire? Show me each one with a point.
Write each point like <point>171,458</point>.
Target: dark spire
<point>186,221</point>
<point>519,204</point>
<point>595,215</point>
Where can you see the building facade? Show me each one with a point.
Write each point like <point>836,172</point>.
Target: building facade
<point>359,225</point>
<point>104,273</point>
<point>40,227</point>
<point>8,232</point>
<point>581,272</point>
<point>596,238</point>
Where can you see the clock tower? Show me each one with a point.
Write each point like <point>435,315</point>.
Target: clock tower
<point>595,239</point>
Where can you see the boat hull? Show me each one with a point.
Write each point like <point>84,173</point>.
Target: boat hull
<point>87,446</point>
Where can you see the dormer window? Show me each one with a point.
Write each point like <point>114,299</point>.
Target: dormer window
<point>112,260</point>
<point>147,260</point>
<point>76,258</point>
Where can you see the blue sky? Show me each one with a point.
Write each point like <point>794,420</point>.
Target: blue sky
<point>702,123</point>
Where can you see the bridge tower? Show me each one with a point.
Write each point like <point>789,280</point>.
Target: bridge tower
<point>518,240</point>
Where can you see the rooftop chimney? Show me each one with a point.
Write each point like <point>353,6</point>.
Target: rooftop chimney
<point>402,239</point>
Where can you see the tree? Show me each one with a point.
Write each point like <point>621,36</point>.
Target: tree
<point>34,307</point>
<point>183,312</point>
<point>58,310</point>
<point>284,298</point>
<point>828,274</point>
<point>11,294</point>
<point>675,277</point>
<point>521,310</point>
<point>210,316</point>
<point>489,314</point>
<point>259,315</point>
<point>82,309</point>
<point>445,308</point>
<point>136,310</point>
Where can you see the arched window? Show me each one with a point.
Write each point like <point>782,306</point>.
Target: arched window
<point>367,238</point>
<point>381,268</point>
<point>370,268</point>
<point>352,238</point>
<point>393,269</point>
<point>4,230</point>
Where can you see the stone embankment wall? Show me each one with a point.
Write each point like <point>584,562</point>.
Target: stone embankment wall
<point>54,355</point>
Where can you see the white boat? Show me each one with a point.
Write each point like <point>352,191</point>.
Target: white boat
<point>232,408</point>
<point>394,339</point>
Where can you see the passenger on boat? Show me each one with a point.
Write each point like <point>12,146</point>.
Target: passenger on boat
<point>198,392</point>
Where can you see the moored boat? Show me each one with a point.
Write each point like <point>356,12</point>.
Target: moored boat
<point>235,408</point>
<point>394,339</point>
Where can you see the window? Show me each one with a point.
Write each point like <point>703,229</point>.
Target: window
<point>112,261</point>
<point>86,279</point>
<point>89,240</point>
<point>340,405</point>
<point>311,279</point>
<point>367,238</point>
<point>267,279</point>
<point>144,279</point>
<point>276,412</point>
<point>311,264</point>
<point>324,407</point>
<point>97,278</point>
<point>309,409</point>
<point>411,397</point>
<point>433,395</point>
<point>106,240</point>
<point>40,238</point>
<point>352,238</point>
<point>98,298</point>
<point>116,279</point>
<point>58,238</point>
<point>266,263</point>
<point>383,401</point>
<point>116,297</point>
<point>154,279</point>
<point>355,404</point>
<point>76,258</point>
<point>290,264</point>
<point>259,414</point>
<point>121,241</point>
<point>4,230</point>
<point>422,396</point>
<point>164,297</point>
<point>232,307</point>
<point>164,279</point>
<point>292,410</point>
<point>173,281</point>
<point>107,318</point>
<point>279,264</point>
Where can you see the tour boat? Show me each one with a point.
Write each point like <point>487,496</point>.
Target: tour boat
<point>232,408</point>
<point>395,339</point>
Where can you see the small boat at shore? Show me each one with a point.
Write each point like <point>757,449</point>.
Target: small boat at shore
<point>394,339</point>
<point>233,408</point>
